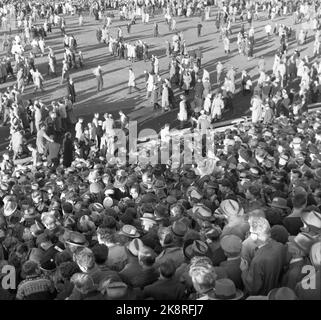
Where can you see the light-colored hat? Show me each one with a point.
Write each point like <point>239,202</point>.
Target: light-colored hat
<point>135,247</point>
<point>312,219</point>
<point>129,231</point>
<point>231,243</point>
<point>108,202</point>
<point>10,208</point>
<point>296,140</point>
<point>202,212</point>
<point>304,242</point>
<point>149,217</point>
<point>230,208</point>
<point>96,207</point>
<point>315,254</point>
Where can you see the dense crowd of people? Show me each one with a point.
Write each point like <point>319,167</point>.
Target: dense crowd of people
<point>79,222</point>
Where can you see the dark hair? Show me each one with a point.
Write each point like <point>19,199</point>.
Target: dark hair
<point>29,268</point>
<point>101,253</point>
<point>147,260</point>
<point>167,269</point>
<point>67,207</point>
<point>109,222</point>
<point>22,248</point>
<point>308,175</point>
<point>136,187</point>
<point>105,234</point>
<point>62,257</point>
<point>68,268</point>
<point>67,135</point>
<point>299,200</point>
<point>255,191</point>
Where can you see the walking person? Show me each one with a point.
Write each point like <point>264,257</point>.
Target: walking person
<point>199,29</point>
<point>316,47</point>
<point>226,42</point>
<point>131,80</point>
<point>165,98</point>
<point>20,80</point>
<point>38,80</point>
<point>42,139</point>
<point>219,69</point>
<point>154,97</point>
<point>182,114</point>
<point>71,92</point>
<point>155,30</point>
<point>64,72</point>
<point>67,150</point>
<point>99,77</point>
<point>81,20</point>
<point>52,62</point>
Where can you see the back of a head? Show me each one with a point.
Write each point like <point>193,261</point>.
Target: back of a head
<point>299,201</point>
<point>104,235</point>
<point>67,208</point>
<point>109,222</point>
<point>203,275</point>
<point>29,268</point>
<point>83,282</point>
<point>167,269</point>
<point>147,259</point>
<point>68,269</point>
<point>101,253</point>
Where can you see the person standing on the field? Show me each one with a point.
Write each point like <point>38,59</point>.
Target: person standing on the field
<point>99,77</point>
<point>226,42</point>
<point>155,30</point>
<point>81,20</point>
<point>199,29</point>
<point>71,92</point>
<point>131,80</point>
<point>38,80</point>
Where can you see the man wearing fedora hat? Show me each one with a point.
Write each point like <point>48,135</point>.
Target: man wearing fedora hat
<point>298,258</point>
<point>139,271</point>
<point>171,239</point>
<point>132,267</point>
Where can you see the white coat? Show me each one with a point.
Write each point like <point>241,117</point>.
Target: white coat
<point>150,83</point>
<point>182,115</point>
<point>217,107</point>
<point>257,109</point>
<point>131,79</point>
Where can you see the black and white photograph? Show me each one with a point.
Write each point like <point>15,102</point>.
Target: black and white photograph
<point>160,153</point>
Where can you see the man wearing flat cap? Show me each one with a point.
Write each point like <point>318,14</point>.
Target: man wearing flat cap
<point>232,246</point>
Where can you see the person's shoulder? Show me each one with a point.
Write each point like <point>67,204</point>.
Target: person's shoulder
<point>153,286</point>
